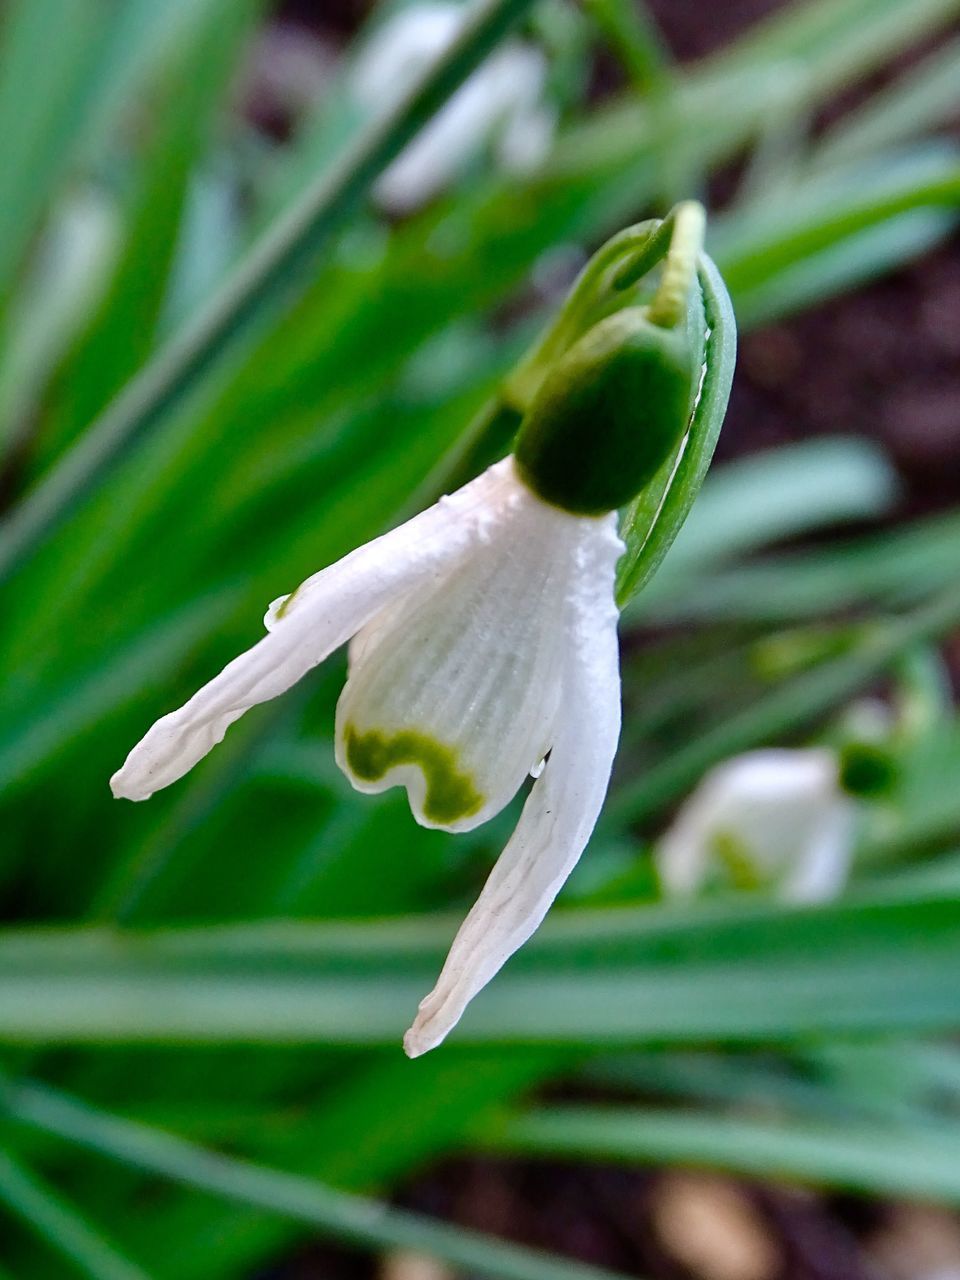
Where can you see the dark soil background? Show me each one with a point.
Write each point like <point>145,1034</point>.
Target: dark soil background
<point>883,362</point>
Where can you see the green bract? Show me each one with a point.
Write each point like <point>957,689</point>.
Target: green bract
<point>608,414</point>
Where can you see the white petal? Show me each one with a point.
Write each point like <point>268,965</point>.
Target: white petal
<point>453,691</point>
<point>389,62</point>
<point>305,628</point>
<point>503,93</point>
<point>777,805</point>
<point>823,870</point>
<point>562,808</point>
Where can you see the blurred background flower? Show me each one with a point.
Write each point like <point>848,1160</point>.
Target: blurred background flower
<point>503,101</point>
<point>775,818</point>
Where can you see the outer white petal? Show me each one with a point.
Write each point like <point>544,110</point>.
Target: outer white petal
<point>395,54</point>
<point>305,628</point>
<point>783,807</point>
<point>503,93</point>
<point>453,690</point>
<point>527,139</point>
<point>563,806</point>
<point>823,870</point>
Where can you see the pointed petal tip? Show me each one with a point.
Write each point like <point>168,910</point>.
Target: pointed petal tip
<point>123,789</point>
<point>438,1013</point>
<point>422,1037</point>
<point>415,1044</point>
<point>412,1045</point>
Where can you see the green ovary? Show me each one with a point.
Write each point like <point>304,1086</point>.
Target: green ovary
<point>451,794</point>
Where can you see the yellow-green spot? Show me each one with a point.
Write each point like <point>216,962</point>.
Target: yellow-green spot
<point>451,793</point>
<point>285,604</point>
<point>733,856</point>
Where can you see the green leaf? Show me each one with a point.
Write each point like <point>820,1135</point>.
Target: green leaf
<point>854,260</point>
<point>55,725</point>
<point>898,567</point>
<point>795,224</point>
<point>374,1122</point>
<point>260,286</point>
<point>335,1214</point>
<point>915,1161</point>
<point>49,52</point>
<point>60,1225</point>
<point>920,99</point>
<point>770,497</point>
<point>121,334</point>
<point>787,707</point>
<point>740,972</point>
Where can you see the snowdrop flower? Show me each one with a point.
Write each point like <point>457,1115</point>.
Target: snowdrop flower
<point>503,99</point>
<point>484,630</point>
<point>484,636</point>
<point>775,817</point>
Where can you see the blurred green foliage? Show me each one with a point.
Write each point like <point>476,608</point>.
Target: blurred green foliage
<point>222,369</point>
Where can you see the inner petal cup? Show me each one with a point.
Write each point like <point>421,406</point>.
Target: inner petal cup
<point>453,690</point>
<point>563,806</point>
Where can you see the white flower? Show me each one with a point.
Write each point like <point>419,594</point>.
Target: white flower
<point>776,817</point>
<point>502,100</point>
<point>484,636</point>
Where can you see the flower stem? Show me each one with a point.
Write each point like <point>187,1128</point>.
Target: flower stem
<point>263,285</point>
<point>618,263</point>
<point>669,303</point>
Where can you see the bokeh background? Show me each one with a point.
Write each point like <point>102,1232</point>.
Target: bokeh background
<point>201,998</point>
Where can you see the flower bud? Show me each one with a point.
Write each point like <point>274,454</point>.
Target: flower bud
<point>608,414</point>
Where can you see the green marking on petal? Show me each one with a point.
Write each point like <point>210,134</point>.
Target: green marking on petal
<point>451,793</point>
<point>285,604</point>
<point>741,870</point>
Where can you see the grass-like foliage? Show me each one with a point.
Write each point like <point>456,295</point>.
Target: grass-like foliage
<point>224,366</point>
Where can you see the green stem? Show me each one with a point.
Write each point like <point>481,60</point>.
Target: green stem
<point>642,245</point>
<point>653,520</point>
<point>680,268</point>
<point>262,286</point>
<point>351,1218</point>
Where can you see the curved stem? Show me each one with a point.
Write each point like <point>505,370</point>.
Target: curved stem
<point>680,269</point>
<point>642,244</point>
